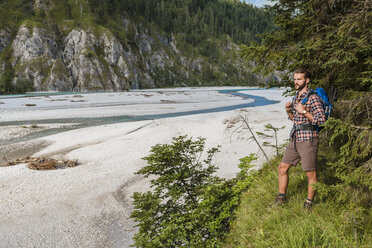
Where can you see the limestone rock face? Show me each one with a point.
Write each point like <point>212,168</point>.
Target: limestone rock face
<point>86,61</point>
<point>78,55</point>
<point>83,62</point>
<point>120,61</point>
<point>35,43</point>
<point>145,42</point>
<point>113,50</point>
<point>59,78</point>
<point>64,58</point>
<point>96,64</point>
<point>34,52</point>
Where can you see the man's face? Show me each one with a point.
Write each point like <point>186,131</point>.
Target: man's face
<point>300,81</point>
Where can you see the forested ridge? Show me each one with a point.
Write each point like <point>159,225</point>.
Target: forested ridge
<point>196,20</point>
<point>193,42</point>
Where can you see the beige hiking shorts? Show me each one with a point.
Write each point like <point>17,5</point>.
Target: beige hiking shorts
<point>306,151</point>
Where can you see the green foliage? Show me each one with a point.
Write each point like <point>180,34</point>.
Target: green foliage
<point>6,81</point>
<point>346,173</point>
<point>188,206</point>
<point>346,161</point>
<point>8,74</point>
<point>331,38</point>
<point>355,108</point>
<point>30,24</point>
<point>22,86</point>
<point>198,20</point>
<point>12,12</point>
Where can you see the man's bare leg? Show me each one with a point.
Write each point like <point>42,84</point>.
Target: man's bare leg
<point>283,177</point>
<point>311,175</point>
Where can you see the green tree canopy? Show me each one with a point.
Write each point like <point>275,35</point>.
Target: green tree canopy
<point>195,18</point>
<point>332,38</point>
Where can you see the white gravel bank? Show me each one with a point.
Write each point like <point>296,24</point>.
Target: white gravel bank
<point>89,205</point>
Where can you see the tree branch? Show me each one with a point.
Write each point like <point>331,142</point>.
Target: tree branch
<point>245,120</point>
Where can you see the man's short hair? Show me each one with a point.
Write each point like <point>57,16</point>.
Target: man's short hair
<point>303,71</point>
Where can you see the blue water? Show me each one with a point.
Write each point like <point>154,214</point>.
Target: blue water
<point>86,122</point>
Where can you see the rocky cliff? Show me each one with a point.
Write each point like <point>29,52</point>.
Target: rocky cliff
<point>69,57</point>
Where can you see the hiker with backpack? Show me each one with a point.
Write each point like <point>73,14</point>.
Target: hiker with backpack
<point>307,112</point>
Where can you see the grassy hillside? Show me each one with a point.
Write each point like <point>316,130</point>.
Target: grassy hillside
<point>261,223</point>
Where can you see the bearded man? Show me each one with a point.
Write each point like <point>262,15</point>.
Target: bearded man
<point>303,146</point>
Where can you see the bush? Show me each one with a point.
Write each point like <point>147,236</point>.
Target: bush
<point>22,86</point>
<point>188,206</point>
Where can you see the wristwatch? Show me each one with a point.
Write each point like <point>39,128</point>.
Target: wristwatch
<point>304,112</point>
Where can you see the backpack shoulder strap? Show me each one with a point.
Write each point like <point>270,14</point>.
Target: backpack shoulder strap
<point>307,97</point>
<point>294,98</point>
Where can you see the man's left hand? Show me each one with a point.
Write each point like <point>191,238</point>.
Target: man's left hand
<point>300,108</point>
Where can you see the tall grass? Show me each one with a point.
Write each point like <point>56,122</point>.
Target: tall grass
<point>261,223</point>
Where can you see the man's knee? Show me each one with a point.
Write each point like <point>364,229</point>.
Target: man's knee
<point>283,168</point>
<point>311,174</point>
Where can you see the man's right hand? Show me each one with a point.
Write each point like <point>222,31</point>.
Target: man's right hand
<point>288,107</point>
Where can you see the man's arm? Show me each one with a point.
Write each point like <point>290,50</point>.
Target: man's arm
<point>300,109</point>
<point>317,108</point>
<point>288,109</point>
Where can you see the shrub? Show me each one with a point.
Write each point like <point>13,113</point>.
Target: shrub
<point>188,206</point>
<point>22,86</point>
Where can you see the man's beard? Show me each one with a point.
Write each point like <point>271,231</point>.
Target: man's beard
<point>301,86</point>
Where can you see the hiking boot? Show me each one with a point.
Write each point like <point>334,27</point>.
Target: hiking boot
<point>308,204</point>
<point>280,200</point>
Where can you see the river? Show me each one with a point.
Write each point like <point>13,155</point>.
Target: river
<point>246,100</point>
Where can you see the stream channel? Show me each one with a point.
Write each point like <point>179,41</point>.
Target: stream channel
<point>90,121</point>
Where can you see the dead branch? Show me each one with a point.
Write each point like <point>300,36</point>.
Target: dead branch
<point>42,163</point>
<point>253,136</point>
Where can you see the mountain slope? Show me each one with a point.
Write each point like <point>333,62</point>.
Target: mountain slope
<point>81,45</point>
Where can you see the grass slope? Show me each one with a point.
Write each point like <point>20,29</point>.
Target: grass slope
<point>261,223</point>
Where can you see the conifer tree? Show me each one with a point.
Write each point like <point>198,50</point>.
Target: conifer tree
<point>332,38</point>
